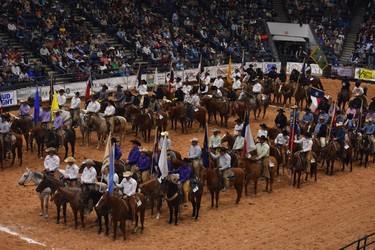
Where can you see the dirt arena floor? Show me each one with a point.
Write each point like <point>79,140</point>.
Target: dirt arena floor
<point>323,215</point>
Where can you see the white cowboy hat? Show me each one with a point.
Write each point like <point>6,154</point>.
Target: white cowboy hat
<point>70,159</point>
<point>56,111</point>
<point>144,150</point>
<point>127,174</point>
<point>88,162</point>
<point>50,149</point>
<point>23,100</point>
<point>294,107</point>
<point>165,133</point>
<point>339,124</point>
<point>216,130</point>
<point>194,139</point>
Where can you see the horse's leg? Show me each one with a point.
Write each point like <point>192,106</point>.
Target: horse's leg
<point>64,212</point>
<point>41,198</point>
<point>212,198</point>
<point>14,154</point>
<point>58,213</point>
<point>299,178</point>
<point>99,218</point>
<point>176,211</point>
<point>199,198</point>
<point>217,193</point>
<point>193,204</point>
<point>247,180</point>
<point>115,228</point>
<point>106,219</point>
<point>82,213</point>
<point>170,213</point>
<point>294,178</point>
<point>47,205</point>
<point>122,225</point>
<point>75,213</point>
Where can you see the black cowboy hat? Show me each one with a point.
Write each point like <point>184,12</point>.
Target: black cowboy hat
<point>136,142</point>
<point>119,86</point>
<point>285,132</point>
<point>373,98</point>
<point>178,78</point>
<point>281,110</point>
<point>5,115</point>
<point>77,93</point>
<point>263,137</point>
<point>104,86</point>
<point>62,91</point>
<point>307,109</point>
<point>238,120</point>
<point>213,88</point>
<point>263,125</point>
<point>221,149</point>
<point>94,96</point>
<point>307,134</point>
<point>111,102</point>
<point>237,77</point>
<point>114,140</point>
<point>349,116</point>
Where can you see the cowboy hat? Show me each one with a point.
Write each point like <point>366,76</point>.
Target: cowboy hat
<point>56,111</point>
<point>307,134</point>
<point>216,130</point>
<point>273,67</point>
<point>263,125</point>
<point>307,109</point>
<point>238,120</point>
<point>339,124</point>
<point>76,93</point>
<point>213,88</point>
<point>165,133</point>
<point>239,129</point>
<point>281,110</point>
<point>294,107</point>
<point>144,150</point>
<point>70,159</point>
<point>104,86</point>
<point>134,92</point>
<point>194,139</point>
<point>62,91</point>
<point>127,174</point>
<point>88,162</point>
<point>221,149</point>
<point>23,100</point>
<point>263,137</point>
<point>321,118</point>
<point>119,86</point>
<point>50,149</point>
<point>111,102</point>
<point>285,132</point>
<point>136,142</point>
<point>114,140</point>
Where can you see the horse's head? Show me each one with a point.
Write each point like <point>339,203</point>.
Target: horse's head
<point>56,195</point>
<point>242,96</point>
<point>225,137</point>
<point>103,201</point>
<point>25,176</point>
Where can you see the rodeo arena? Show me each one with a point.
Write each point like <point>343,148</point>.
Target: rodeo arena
<point>166,124</point>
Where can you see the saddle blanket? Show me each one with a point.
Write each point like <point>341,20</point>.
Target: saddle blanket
<point>231,174</point>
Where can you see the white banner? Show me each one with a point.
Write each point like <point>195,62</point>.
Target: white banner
<point>268,65</point>
<point>9,98</point>
<point>315,70</point>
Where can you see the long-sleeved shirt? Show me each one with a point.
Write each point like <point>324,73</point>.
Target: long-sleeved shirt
<point>186,89</point>
<point>61,99</point>
<point>169,143</point>
<point>236,85</point>
<point>51,163</point>
<point>308,117</point>
<point>142,89</point>
<point>110,110</point>
<point>195,101</point>
<point>281,120</point>
<point>88,175</point>
<point>281,139</point>
<point>257,88</point>
<point>184,173</point>
<point>237,128</point>
<point>326,117</point>
<point>263,150</point>
<point>119,96</point>
<point>45,116</point>
<point>144,163</point>
<point>194,152</point>
<point>177,85</point>
<point>24,109</point>
<point>118,152</point>
<point>369,128</point>
<point>94,106</point>
<point>219,83</point>
<point>306,144</point>
<point>134,154</point>
<point>58,122</point>
<point>103,95</point>
<point>215,141</point>
<point>129,186</point>
<point>71,171</point>
<point>115,179</point>
<point>4,127</point>
<point>238,143</point>
<point>224,160</point>
<point>75,103</point>
<point>262,132</point>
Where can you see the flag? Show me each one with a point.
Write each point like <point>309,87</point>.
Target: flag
<point>108,162</point>
<point>171,78</point>
<point>249,144</point>
<point>163,161</point>
<point>319,58</point>
<point>54,105</point>
<point>36,106</point>
<point>156,76</point>
<point>107,151</point>
<point>88,88</point>
<point>139,75</point>
<point>229,71</point>
<point>316,96</point>
<point>155,150</point>
<point>205,153</point>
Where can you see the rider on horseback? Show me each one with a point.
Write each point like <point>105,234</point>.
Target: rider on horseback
<point>45,117</point>
<point>345,84</point>
<point>129,186</point>
<point>223,160</point>
<point>51,162</point>
<point>263,152</point>
<point>4,131</point>
<point>24,110</point>
<point>165,136</point>
<point>305,152</point>
<point>257,90</point>
<point>194,154</point>
<point>272,74</point>
<point>184,174</point>
<point>58,127</point>
<point>61,99</point>
<point>359,92</point>
<point>94,105</point>
<point>281,142</point>
<point>320,132</point>
<point>71,172</point>
<point>143,166</point>
<point>339,135</point>
<point>369,130</point>
<point>109,115</point>
<point>239,141</point>
<point>75,104</point>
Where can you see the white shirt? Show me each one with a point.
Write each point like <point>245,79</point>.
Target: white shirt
<point>194,152</point>
<point>109,110</point>
<point>262,132</point>
<point>281,139</point>
<point>88,175</point>
<point>218,93</point>
<point>75,103</point>
<point>257,88</point>
<point>238,143</point>
<point>115,178</point>
<point>206,80</point>
<point>169,143</point>
<point>61,99</point>
<point>357,91</point>
<point>195,101</point>
<point>236,128</point>
<point>236,74</point>
<point>71,171</point>
<point>186,89</point>
<point>94,106</point>
<point>129,186</point>
<point>4,127</point>
<point>177,85</point>
<point>51,163</point>
<point>142,89</point>
<point>236,85</point>
<point>215,141</point>
<point>306,144</point>
<point>224,160</point>
<point>219,83</point>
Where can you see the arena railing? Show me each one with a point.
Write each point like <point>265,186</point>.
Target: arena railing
<point>361,243</point>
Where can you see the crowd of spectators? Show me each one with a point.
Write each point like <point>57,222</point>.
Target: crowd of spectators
<point>330,20</point>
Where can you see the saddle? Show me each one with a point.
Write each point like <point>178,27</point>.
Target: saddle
<point>231,176</point>
<point>194,184</point>
<point>117,121</point>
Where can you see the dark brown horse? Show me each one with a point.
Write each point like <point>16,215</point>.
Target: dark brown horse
<point>24,125</point>
<point>120,210</point>
<point>215,106</point>
<point>173,196</point>
<point>196,192</point>
<point>161,120</point>
<point>365,148</point>
<point>16,145</point>
<point>100,212</point>
<point>177,113</point>
<point>239,108</point>
<point>277,92</point>
<point>151,189</point>
<point>74,196</point>
<point>52,140</point>
<point>37,133</point>
<point>278,154</point>
<point>252,172</point>
<point>328,154</point>
<point>287,91</point>
<point>144,122</point>
<point>296,165</point>
<point>199,115</point>
<point>342,98</point>
<point>273,132</point>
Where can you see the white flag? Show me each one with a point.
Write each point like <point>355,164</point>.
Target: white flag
<point>107,152</point>
<point>156,76</point>
<point>163,161</point>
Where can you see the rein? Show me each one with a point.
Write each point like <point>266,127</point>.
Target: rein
<point>172,198</point>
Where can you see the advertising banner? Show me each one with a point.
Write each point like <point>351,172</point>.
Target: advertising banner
<point>364,74</point>
<point>8,98</point>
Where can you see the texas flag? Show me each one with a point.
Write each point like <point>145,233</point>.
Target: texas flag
<point>316,97</point>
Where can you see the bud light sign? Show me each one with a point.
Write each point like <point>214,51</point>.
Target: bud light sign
<point>8,98</point>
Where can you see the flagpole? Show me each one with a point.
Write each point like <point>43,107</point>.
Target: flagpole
<point>154,151</point>
<point>200,72</point>
<point>333,115</point>
<point>139,69</point>
<point>299,76</point>
<point>243,64</point>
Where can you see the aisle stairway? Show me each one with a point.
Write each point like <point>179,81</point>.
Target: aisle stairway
<point>278,6</point>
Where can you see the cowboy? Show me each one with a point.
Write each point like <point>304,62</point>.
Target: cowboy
<point>61,99</point>
<point>184,174</point>
<point>143,166</point>
<point>88,177</point>
<point>129,98</point>
<point>165,136</point>
<point>239,141</point>
<point>305,152</point>
<point>119,96</point>
<point>103,93</point>
<point>153,105</point>
<point>237,84</point>
<point>189,108</point>
<point>51,162</point>
<point>109,115</point>
<point>358,91</point>
<point>339,134</point>
<point>350,122</point>
<point>75,104</point>
<point>134,154</point>
<point>135,101</point>
<point>320,131</point>
<point>263,130</point>
<point>215,140</point>
<point>4,131</point>
<point>24,110</point>
<point>105,173</point>
<point>142,88</point>
<point>216,92</point>
<point>281,142</point>
<point>186,88</point>
<point>263,152</point>
<point>206,81</point>
<point>369,130</point>
<point>324,115</point>
<point>219,82</point>
<point>178,84</point>
<point>345,84</point>
<point>236,73</point>
<point>71,172</point>
<point>159,93</point>
<point>45,117</point>
<point>370,115</point>
<point>129,188</point>
<point>281,120</point>
<point>179,94</point>
<point>94,105</point>
<point>272,74</point>
<point>223,160</point>
<point>294,113</point>
<point>238,127</point>
<point>308,117</point>
<point>58,125</point>
<point>194,154</point>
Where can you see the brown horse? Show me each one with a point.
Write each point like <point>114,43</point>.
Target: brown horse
<point>296,165</point>
<point>144,122</point>
<point>277,153</point>
<point>273,132</point>
<point>328,154</point>
<point>74,196</point>
<point>1,154</point>
<point>287,91</point>
<point>177,113</point>
<point>217,105</point>
<point>199,115</point>
<point>37,133</point>
<point>252,103</point>
<point>277,92</point>
<point>239,108</point>
<point>173,195</point>
<point>24,125</point>
<point>252,172</point>
<point>16,144</point>
<point>342,98</point>
<point>196,192</point>
<point>161,120</point>
<point>365,148</point>
<point>151,189</point>
<point>120,210</point>
<point>300,95</point>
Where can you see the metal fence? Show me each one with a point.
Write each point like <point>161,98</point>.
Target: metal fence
<point>361,243</point>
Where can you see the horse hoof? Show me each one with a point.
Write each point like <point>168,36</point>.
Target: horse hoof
<point>99,232</point>
<point>41,214</point>
<point>135,230</point>
<point>46,216</point>
<point>170,222</point>
<point>142,231</point>
<point>106,233</point>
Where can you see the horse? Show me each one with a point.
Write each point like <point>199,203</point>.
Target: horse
<point>296,165</point>
<point>315,82</point>
<point>74,196</point>
<point>251,103</point>
<point>24,125</point>
<point>120,211</point>
<point>268,87</point>
<point>161,119</point>
<point>239,108</point>
<point>37,133</point>
<point>15,144</point>
<point>102,211</point>
<point>252,172</point>
<point>144,122</point>
<point>102,128</point>
<point>152,190</point>
<point>229,139</point>
<point>53,184</point>
<point>300,95</point>
<point>173,195</point>
<point>36,177</point>
<point>328,154</point>
<point>342,98</point>
<point>273,132</point>
<point>199,114</point>
<point>217,105</point>
<point>177,113</point>
<point>280,158</point>
<point>196,192</point>
<point>365,148</point>
<point>277,91</point>
<point>52,140</point>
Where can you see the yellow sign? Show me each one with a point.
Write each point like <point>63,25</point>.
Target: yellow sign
<point>366,74</point>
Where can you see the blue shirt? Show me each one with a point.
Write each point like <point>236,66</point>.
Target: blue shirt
<point>351,123</point>
<point>308,117</point>
<point>317,128</point>
<point>58,122</point>
<point>184,173</point>
<point>339,133</point>
<point>298,113</point>
<point>118,152</point>
<point>134,155</point>
<point>326,117</point>
<point>144,163</point>
<point>24,109</point>
<point>45,116</point>
<point>369,128</point>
